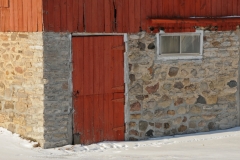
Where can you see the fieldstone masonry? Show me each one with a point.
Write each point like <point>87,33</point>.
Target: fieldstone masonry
<point>182,96</point>
<point>35,86</point>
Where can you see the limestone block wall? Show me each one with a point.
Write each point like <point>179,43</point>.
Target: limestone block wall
<point>21,84</point>
<point>57,89</point>
<point>182,96</point>
<point>36,86</point>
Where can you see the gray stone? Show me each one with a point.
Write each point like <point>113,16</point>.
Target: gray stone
<point>178,85</point>
<point>232,84</point>
<point>149,133</point>
<point>141,46</point>
<point>201,100</point>
<point>143,125</point>
<point>151,46</point>
<point>173,71</point>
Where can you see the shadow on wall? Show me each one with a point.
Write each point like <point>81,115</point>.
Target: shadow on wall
<point>57,89</point>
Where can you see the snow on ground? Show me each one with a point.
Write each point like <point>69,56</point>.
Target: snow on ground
<point>223,144</point>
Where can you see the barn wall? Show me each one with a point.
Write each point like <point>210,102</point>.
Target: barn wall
<point>57,89</point>
<point>21,16</point>
<point>182,96</point>
<point>127,16</point>
<point>21,84</point>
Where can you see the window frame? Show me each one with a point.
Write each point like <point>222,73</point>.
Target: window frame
<point>174,56</point>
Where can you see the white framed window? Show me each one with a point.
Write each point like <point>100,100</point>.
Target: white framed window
<point>180,45</point>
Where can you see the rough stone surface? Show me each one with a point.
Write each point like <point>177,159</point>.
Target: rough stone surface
<point>183,96</point>
<point>35,86</point>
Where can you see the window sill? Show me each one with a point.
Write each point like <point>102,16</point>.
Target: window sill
<point>179,57</point>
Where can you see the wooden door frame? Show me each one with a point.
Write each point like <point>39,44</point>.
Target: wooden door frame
<point>126,73</point>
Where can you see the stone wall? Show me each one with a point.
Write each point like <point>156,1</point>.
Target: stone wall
<point>36,86</point>
<point>21,84</point>
<point>182,96</point>
<point>57,89</point>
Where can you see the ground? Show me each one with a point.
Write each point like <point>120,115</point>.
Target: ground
<point>223,144</point>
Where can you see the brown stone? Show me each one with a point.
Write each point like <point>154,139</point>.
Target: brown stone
<point>151,124</point>
<point>202,124</point>
<point>209,117</point>
<point>19,70</point>
<point>21,106</point>
<point>192,124</point>
<point>173,71</point>
<point>135,106</point>
<point>184,119</point>
<point>216,44</point>
<point>158,125</point>
<point>132,78</point>
<point>191,100</point>
<point>133,132</point>
<point>132,124</point>
<point>159,113</point>
<point>152,89</point>
<point>177,121</point>
<point>182,128</point>
<point>212,99</point>
<point>11,127</point>
<point>164,101</point>
<point>9,105</point>
<point>135,116</point>
<point>171,112</point>
<point>196,110</point>
<point>166,125</point>
<point>178,85</point>
<point>181,110</point>
<point>191,87</point>
<point>4,37</point>
<point>186,81</point>
<point>23,36</point>
<point>178,101</point>
<point>14,36</point>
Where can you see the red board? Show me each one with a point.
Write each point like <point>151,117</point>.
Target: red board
<point>98,82</point>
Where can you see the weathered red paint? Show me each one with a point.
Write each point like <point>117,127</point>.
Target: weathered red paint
<point>99,79</point>
<point>99,16</point>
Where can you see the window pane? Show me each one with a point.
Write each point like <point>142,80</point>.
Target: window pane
<point>190,44</point>
<point>170,44</point>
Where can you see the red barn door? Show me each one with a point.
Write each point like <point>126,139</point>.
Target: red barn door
<point>98,84</point>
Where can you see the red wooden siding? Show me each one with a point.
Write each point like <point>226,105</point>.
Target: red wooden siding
<point>131,15</point>
<point>98,79</point>
<point>21,16</point>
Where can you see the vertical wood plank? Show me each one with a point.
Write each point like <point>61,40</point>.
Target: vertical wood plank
<point>170,8</point>
<point>25,15</point>
<point>137,20</point>
<point>108,6</point>
<point>238,10</point>
<point>45,13</point>
<point>39,16</point>
<point>20,15</point>
<point>63,15</point>
<point>216,8</point>
<point>100,19</point>
<point>75,14</point>
<point>119,18</point>
<point>235,7</point>
<point>219,8</point>
<point>69,15</point>
<point>125,16</point>
<point>224,8</point>
<point>80,16</point>
<point>94,16</point>
<point>88,16</point>
<point>182,8</point>
<point>50,16</point>
<point>131,16</point>
<point>5,12</point>
<point>176,10</point>
<point>198,8</point>
<point>203,8</point>
<point>57,14</point>
<point>143,13</point>
<point>35,15</point>
<point>15,15</point>
<point>11,15</point>
<point>229,8</point>
<point>164,6</point>
<point>155,9</point>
